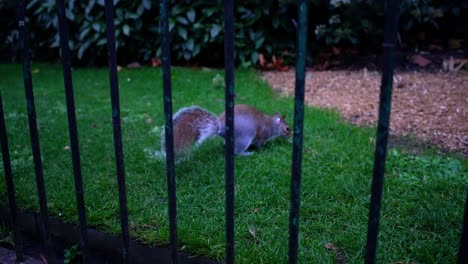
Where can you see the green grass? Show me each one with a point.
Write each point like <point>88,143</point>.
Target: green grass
<point>423,195</point>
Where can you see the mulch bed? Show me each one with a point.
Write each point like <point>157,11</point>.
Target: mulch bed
<point>431,106</point>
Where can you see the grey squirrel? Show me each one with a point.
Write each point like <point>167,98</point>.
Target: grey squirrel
<point>193,125</point>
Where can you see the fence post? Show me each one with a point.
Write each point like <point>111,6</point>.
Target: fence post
<point>116,126</point>
<point>301,56</point>
<point>229,137</point>
<point>36,150</point>
<point>73,131</point>
<point>391,29</point>
<point>10,186</point>
<point>167,88</point>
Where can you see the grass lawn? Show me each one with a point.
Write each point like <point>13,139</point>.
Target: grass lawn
<point>423,195</point>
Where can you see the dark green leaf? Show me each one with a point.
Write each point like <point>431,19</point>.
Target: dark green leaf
<point>182,32</point>
<point>182,20</point>
<point>215,29</point>
<point>187,55</point>
<point>147,4</point>
<point>259,42</point>
<point>102,41</point>
<point>190,44</point>
<point>126,30</point>
<point>254,57</point>
<point>191,15</point>
<point>97,27</point>
<point>275,22</point>
<point>83,48</point>
<point>84,33</point>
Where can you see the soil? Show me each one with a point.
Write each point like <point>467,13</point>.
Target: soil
<point>431,106</point>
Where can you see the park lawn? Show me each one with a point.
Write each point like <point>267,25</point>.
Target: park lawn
<point>423,198</point>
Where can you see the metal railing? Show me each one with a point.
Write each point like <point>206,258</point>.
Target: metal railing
<point>392,10</point>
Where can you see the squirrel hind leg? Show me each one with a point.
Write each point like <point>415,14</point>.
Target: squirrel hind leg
<point>241,145</point>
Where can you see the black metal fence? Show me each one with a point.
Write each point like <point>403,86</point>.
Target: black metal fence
<point>392,10</point>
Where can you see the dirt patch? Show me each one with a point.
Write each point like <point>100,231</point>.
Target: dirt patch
<point>431,106</point>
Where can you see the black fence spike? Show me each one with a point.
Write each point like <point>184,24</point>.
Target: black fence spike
<point>167,90</point>
<point>34,135</point>
<point>10,186</point>
<point>301,51</point>
<point>229,137</point>
<point>391,29</point>
<point>116,125</point>
<point>73,131</point>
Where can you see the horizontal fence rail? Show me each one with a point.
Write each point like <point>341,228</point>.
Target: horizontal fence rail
<point>301,51</point>
<point>167,93</point>
<point>73,131</point>
<point>391,29</point>
<point>116,126</point>
<point>10,185</point>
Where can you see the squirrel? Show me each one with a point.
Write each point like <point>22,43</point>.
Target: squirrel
<point>193,125</point>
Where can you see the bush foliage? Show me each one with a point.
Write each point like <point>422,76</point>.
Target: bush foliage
<point>261,27</point>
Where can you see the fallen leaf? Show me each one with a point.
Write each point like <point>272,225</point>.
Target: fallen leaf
<point>134,65</point>
<point>149,120</point>
<point>155,62</point>
<point>336,51</point>
<point>331,246</point>
<point>255,210</point>
<point>261,60</point>
<point>66,148</point>
<point>420,60</point>
<point>253,232</point>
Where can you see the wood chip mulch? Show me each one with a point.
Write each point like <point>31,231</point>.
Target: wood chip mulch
<point>431,106</point>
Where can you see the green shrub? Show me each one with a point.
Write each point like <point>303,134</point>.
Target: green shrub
<point>196,28</point>
<point>261,27</point>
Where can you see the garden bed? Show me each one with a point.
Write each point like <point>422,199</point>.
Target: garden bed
<point>429,105</point>
<point>423,194</point>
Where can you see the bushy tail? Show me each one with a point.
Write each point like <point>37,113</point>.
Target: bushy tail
<point>191,126</point>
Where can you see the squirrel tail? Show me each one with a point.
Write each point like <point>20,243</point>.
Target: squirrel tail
<point>191,126</point>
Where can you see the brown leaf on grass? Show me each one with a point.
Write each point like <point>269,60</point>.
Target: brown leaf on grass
<point>331,246</point>
<point>261,60</point>
<point>420,60</point>
<point>155,62</point>
<point>336,51</point>
<point>255,210</point>
<point>134,65</point>
<point>278,64</point>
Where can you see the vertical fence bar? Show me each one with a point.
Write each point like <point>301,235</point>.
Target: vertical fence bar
<point>73,131</point>
<point>36,150</point>
<point>301,56</point>
<point>463,250</point>
<point>391,28</point>
<point>10,186</point>
<point>167,86</point>
<point>229,138</point>
<point>119,159</point>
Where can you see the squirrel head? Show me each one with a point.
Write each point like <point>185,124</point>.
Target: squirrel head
<point>281,125</point>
